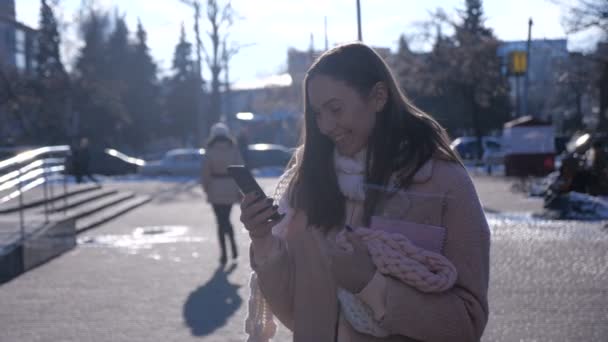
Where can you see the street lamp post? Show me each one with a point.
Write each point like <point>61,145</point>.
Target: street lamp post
<point>360,35</point>
<point>527,72</point>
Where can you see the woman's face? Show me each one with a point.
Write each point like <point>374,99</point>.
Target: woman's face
<point>341,113</point>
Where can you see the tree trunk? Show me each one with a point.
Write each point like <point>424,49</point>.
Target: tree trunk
<point>578,121</point>
<point>476,124</point>
<point>603,119</point>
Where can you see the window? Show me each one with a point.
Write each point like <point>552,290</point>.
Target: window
<point>20,60</point>
<point>19,40</point>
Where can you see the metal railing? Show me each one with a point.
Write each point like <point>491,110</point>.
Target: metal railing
<point>28,170</point>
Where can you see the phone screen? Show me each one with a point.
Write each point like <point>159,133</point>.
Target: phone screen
<point>245,181</point>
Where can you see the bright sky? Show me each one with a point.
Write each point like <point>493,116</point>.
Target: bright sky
<point>275,25</point>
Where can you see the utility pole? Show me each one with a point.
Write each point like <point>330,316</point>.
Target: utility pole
<point>526,76</point>
<point>202,128</point>
<point>227,90</point>
<point>326,42</point>
<point>360,35</point>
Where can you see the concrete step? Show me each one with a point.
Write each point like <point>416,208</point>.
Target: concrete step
<point>95,206</point>
<point>110,213</point>
<point>35,197</point>
<point>34,218</point>
<point>81,199</point>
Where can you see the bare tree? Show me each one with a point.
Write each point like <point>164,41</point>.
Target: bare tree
<point>220,17</point>
<point>584,15</point>
<point>576,80</point>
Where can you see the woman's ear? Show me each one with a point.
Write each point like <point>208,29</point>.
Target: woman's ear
<point>379,96</point>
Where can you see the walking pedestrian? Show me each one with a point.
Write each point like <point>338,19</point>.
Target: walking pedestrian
<point>219,187</point>
<point>81,158</point>
<point>327,269</point>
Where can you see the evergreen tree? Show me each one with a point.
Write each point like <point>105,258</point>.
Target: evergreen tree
<point>143,93</point>
<point>182,93</point>
<point>51,83</point>
<point>460,80</point>
<point>183,65</point>
<point>473,20</point>
<point>48,60</point>
<point>478,73</point>
<point>100,112</point>
<point>119,53</point>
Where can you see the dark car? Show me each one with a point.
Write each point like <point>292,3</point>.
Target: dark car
<point>184,162</point>
<point>109,162</point>
<point>268,155</point>
<point>113,162</point>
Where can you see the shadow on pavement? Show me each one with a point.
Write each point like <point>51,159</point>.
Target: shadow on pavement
<point>209,306</point>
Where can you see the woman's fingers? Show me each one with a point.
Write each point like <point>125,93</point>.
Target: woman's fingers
<point>262,230</point>
<point>257,208</point>
<point>256,211</point>
<point>264,215</point>
<point>249,199</point>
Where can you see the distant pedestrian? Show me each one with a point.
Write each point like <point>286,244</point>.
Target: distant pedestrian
<point>81,158</point>
<point>222,192</point>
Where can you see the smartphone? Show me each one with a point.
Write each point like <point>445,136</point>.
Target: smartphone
<point>245,181</point>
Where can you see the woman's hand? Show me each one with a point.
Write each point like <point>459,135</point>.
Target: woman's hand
<point>352,271</point>
<point>256,213</point>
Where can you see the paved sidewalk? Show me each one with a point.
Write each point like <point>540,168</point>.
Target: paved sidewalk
<point>497,194</point>
<point>130,280</point>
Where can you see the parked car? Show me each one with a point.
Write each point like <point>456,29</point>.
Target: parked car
<point>268,155</point>
<point>468,149</point>
<point>179,162</point>
<point>113,162</point>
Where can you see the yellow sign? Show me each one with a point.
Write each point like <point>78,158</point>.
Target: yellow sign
<point>518,62</point>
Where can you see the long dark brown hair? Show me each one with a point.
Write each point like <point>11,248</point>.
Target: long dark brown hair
<point>402,140</point>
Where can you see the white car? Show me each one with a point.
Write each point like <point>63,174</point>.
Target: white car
<point>468,150</point>
<point>185,162</point>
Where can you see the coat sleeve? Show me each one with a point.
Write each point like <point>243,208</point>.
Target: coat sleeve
<point>276,273</point>
<point>206,174</point>
<point>461,313</point>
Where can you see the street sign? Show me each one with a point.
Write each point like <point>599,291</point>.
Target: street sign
<point>518,63</point>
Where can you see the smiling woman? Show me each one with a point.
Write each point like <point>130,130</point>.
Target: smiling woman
<point>374,184</point>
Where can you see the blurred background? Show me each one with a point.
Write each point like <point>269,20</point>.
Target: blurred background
<point>145,78</point>
<point>106,105</point>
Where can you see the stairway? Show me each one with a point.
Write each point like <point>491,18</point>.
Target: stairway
<point>88,205</point>
<point>50,223</point>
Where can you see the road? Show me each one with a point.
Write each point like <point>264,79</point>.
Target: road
<point>153,275</point>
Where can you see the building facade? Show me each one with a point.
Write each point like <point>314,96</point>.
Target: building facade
<point>17,41</point>
<point>547,56</point>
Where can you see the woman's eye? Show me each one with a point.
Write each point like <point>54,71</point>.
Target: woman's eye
<point>335,109</point>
